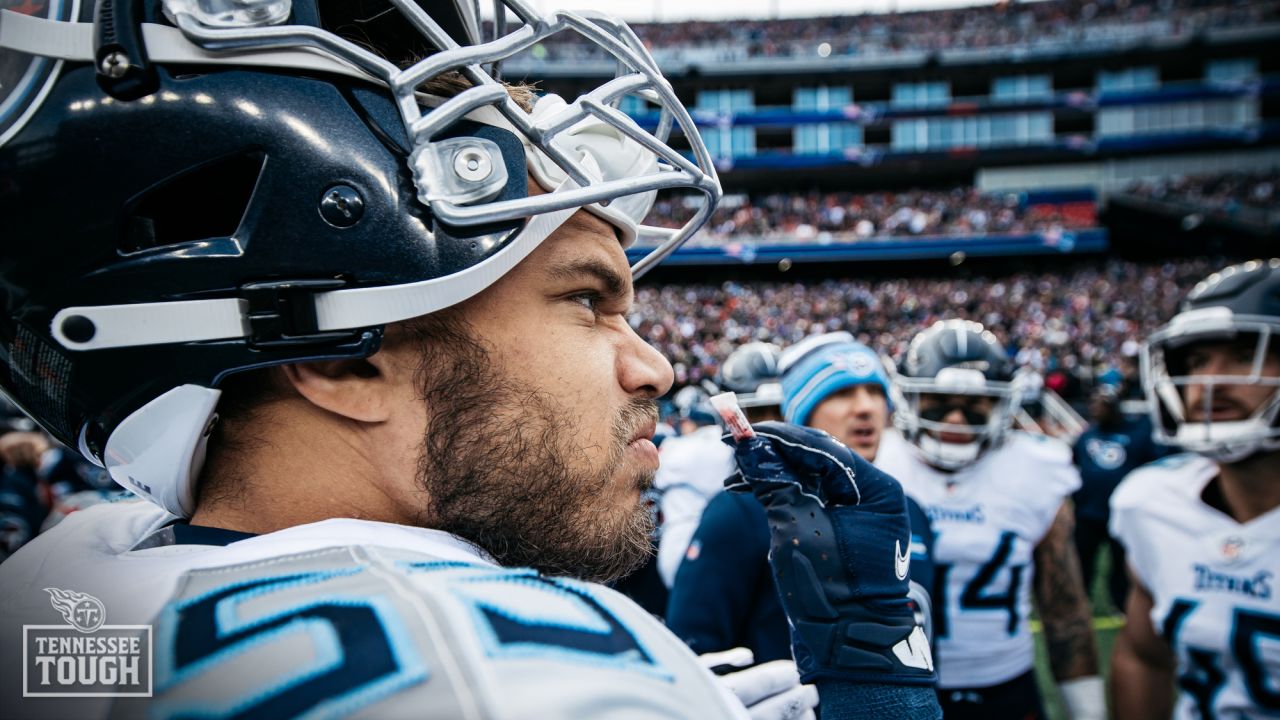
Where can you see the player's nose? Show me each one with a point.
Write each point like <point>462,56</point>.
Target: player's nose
<point>642,370</point>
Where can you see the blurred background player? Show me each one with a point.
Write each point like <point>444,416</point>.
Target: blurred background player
<point>751,372</point>
<point>1111,447</point>
<point>1002,526</point>
<point>692,468</point>
<point>41,481</point>
<point>1202,529</point>
<point>724,595</point>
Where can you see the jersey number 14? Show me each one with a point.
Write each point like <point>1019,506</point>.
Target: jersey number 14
<point>978,593</point>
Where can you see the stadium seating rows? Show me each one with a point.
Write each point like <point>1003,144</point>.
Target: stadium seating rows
<point>1071,325</point>
<point>1224,192</point>
<point>848,217</point>
<point>1056,22</point>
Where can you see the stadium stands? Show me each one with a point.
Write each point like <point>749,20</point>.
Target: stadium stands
<point>1232,195</point>
<point>1071,325</point>
<point>849,217</point>
<point>1056,23</point>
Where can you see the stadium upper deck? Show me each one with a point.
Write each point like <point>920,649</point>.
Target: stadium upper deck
<point>1054,25</point>
<point>956,92</point>
<point>985,129</point>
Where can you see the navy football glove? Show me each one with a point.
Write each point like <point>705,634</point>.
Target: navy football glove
<point>840,553</point>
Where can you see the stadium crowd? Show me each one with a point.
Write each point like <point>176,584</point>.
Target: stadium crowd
<point>847,217</point>
<point>1071,326</point>
<point>1226,192</point>
<point>1053,23</point>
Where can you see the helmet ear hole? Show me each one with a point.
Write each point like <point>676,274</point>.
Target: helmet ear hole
<point>206,202</point>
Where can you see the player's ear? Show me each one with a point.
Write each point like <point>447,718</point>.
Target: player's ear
<point>364,390</point>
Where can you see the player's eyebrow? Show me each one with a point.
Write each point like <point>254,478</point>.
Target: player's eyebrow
<point>615,285</point>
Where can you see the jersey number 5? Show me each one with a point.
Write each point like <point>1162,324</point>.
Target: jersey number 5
<point>328,652</point>
<point>1204,677</point>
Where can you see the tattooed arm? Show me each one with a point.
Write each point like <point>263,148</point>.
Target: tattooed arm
<point>1067,617</point>
<point>1063,602</point>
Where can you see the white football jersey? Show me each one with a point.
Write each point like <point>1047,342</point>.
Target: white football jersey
<point>987,519</point>
<point>341,618</point>
<point>1213,581</point>
<point>691,470</point>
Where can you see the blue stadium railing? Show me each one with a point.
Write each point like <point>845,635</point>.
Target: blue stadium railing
<point>739,252</point>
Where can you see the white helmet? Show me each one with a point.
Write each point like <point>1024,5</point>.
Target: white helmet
<point>1240,304</point>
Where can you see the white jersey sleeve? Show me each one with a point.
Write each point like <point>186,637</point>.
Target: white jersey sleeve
<point>1213,585</point>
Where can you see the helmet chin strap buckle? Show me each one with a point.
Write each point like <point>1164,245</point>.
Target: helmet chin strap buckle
<point>283,313</point>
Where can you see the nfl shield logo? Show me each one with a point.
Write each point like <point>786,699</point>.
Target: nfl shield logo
<point>1232,548</point>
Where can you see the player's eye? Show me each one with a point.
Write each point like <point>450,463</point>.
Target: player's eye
<point>1197,360</point>
<point>588,299</point>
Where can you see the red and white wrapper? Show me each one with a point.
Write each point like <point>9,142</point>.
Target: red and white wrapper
<point>727,405</point>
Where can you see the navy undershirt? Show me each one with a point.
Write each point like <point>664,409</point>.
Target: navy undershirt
<point>188,534</point>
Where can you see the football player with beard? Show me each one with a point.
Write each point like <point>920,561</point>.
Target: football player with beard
<point>1202,529</point>
<point>349,315</point>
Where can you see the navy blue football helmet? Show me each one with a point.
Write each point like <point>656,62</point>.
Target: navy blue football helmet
<point>956,357</point>
<point>195,188</point>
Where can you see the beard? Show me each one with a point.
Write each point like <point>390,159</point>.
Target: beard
<point>502,468</point>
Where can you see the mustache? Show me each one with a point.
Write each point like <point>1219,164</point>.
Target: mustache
<point>1221,401</point>
<point>636,415</point>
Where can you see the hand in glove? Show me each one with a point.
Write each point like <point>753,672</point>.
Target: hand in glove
<point>840,555</point>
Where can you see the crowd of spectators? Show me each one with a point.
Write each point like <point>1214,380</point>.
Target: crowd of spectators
<point>1071,325</point>
<point>1225,192</point>
<point>1073,23</point>
<point>848,217</point>
<point>1245,200</point>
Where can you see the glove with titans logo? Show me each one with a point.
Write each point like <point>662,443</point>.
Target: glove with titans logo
<point>840,552</point>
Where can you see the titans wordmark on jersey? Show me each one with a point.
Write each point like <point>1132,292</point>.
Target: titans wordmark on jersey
<point>987,520</point>
<point>1213,582</point>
